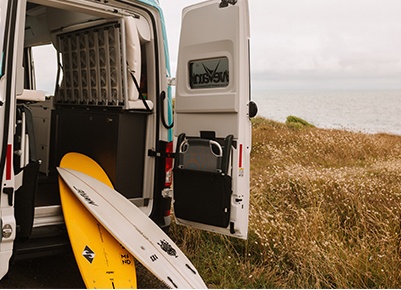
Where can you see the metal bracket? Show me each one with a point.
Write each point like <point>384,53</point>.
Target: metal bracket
<point>153,153</point>
<point>171,82</point>
<point>167,193</point>
<point>225,3</point>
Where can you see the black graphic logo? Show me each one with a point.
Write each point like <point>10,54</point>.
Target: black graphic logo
<point>167,248</point>
<point>209,73</point>
<point>154,257</point>
<point>125,259</point>
<point>85,196</point>
<point>88,254</point>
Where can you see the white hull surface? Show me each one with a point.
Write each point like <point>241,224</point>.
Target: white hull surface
<point>134,230</point>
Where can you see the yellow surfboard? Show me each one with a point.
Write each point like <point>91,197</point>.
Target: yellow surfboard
<point>101,259</point>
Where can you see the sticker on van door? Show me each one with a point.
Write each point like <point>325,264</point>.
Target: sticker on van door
<point>209,73</point>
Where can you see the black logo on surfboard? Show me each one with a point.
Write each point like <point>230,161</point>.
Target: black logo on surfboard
<point>154,257</point>
<point>88,254</point>
<point>167,248</point>
<point>82,193</point>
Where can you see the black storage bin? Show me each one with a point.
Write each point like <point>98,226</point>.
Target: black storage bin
<point>114,139</point>
<point>202,196</point>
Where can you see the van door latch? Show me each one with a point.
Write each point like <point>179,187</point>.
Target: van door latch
<point>153,153</point>
<point>225,3</point>
<point>9,191</point>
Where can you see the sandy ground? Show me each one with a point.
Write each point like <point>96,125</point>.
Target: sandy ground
<point>60,272</point>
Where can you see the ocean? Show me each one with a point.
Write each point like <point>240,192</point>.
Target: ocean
<point>360,111</point>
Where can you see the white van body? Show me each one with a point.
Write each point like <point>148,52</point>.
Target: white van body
<point>111,101</point>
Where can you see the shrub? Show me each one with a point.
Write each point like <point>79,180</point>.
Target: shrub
<point>297,122</point>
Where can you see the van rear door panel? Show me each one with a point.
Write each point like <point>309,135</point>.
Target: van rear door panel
<point>12,18</point>
<point>212,124</point>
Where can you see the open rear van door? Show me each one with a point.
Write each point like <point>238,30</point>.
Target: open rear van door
<point>212,118</point>
<point>12,27</point>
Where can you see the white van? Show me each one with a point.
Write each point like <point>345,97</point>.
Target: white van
<point>112,102</point>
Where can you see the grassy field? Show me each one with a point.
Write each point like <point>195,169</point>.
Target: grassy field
<point>325,213</point>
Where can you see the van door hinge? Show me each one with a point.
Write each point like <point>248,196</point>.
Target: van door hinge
<point>153,153</point>
<point>171,82</point>
<point>9,191</point>
<point>225,3</point>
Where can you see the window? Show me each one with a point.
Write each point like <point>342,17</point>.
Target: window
<point>45,67</point>
<point>209,73</point>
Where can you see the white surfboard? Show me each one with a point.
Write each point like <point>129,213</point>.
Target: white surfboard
<point>134,230</point>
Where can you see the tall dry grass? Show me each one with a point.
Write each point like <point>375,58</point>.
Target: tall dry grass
<point>325,213</point>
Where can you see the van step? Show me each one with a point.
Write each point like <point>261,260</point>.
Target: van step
<point>44,241</point>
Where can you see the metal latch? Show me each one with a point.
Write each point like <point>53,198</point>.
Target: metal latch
<point>9,191</point>
<point>171,82</point>
<point>167,193</point>
<point>6,231</point>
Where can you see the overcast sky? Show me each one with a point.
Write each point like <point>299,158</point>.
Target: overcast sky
<point>316,44</point>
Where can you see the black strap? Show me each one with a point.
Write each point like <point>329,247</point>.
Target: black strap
<point>161,100</point>
<point>139,91</point>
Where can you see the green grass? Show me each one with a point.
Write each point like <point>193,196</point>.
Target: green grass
<point>297,122</point>
<point>325,213</point>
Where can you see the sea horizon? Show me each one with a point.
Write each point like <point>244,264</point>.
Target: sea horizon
<point>366,111</point>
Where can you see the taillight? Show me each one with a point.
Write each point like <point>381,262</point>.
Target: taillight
<point>169,166</point>
<point>9,161</point>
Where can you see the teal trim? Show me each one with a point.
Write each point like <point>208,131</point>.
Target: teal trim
<point>169,91</point>
<point>156,4</point>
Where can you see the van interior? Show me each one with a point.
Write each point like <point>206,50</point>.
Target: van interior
<point>101,102</point>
